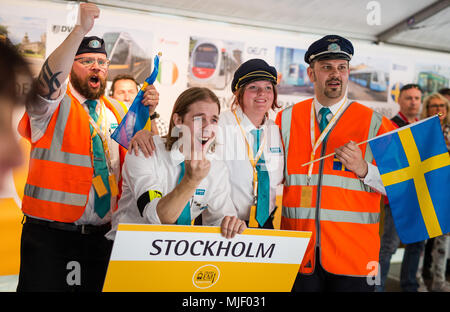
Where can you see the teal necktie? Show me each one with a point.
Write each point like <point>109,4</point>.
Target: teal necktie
<point>101,204</point>
<point>262,206</point>
<point>324,112</point>
<point>185,216</point>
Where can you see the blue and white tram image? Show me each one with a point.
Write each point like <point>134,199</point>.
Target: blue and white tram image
<point>297,75</point>
<point>126,56</point>
<point>213,64</point>
<point>375,80</point>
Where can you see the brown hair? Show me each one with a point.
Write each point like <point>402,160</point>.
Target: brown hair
<point>239,97</point>
<point>181,108</point>
<point>122,77</point>
<point>12,67</point>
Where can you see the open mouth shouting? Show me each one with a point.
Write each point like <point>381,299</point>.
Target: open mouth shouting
<point>94,81</point>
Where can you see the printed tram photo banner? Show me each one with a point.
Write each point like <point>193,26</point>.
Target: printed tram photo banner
<point>175,258</point>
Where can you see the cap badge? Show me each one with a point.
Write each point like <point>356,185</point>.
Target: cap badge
<point>334,47</point>
<point>94,44</point>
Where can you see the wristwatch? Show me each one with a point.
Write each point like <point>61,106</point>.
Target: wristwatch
<point>154,115</point>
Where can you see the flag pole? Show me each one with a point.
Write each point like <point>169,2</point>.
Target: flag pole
<point>396,130</point>
<point>329,155</point>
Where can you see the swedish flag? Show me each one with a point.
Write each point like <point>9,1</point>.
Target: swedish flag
<point>138,115</point>
<point>415,169</point>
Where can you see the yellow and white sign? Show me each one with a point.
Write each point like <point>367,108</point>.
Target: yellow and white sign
<point>197,258</point>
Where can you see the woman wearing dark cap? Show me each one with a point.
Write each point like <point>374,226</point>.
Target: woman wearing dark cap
<point>253,150</point>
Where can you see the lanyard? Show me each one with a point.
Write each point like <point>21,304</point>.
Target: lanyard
<point>315,144</point>
<point>101,124</point>
<point>253,159</point>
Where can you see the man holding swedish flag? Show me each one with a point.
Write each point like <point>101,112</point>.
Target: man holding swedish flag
<point>74,174</point>
<point>340,205</point>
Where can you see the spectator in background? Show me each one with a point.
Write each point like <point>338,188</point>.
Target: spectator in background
<point>409,101</point>
<point>445,92</point>
<point>14,75</point>
<point>124,88</point>
<point>437,104</point>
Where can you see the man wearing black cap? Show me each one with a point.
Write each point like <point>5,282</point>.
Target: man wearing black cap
<point>72,184</point>
<point>336,198</point>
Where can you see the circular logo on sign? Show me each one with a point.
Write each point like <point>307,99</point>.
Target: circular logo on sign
<point>94,44</point>
<point>206,276</point>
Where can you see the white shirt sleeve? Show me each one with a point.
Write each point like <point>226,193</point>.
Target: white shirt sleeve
<point>373,179</point>
<point>143,175</point>
<point>41,112</point>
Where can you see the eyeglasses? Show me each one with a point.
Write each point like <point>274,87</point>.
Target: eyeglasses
<point>89,61</point>
<point>436,105</point>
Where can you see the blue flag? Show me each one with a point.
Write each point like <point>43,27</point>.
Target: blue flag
<point>138,115</point>
<point>415,169</point>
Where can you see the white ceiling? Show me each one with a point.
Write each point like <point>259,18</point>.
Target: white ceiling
<point>345,17</point>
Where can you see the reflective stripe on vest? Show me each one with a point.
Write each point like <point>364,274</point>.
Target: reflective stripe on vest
<point>331,215</point>
<point>286,118</point>
<point>327,180</point>
<point>55,154</point>
<point>375,124</point>
<point>55,196</point>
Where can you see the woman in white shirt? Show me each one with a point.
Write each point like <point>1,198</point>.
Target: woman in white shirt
<point>182,179</point>
<point>252,146</point>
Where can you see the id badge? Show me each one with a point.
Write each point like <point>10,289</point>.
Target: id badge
<point>306,196</point>
<point>252,219</point>
<point>113,185</point>
<point>99,186</point>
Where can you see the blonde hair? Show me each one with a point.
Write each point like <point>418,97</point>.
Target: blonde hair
<point>426,103</point>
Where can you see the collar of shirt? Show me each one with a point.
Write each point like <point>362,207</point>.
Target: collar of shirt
<point>333,108</point>
<point>246,124</point>
<point>404,118</point>
<point>81,98</point>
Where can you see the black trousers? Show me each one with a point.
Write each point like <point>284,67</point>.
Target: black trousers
<point>58,260</point>
<point>323,281</point>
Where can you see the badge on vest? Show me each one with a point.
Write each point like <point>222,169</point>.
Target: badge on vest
<point>100,187</point>
<point>200,192</point>
<point>275,150</point>
<point>306,196</point>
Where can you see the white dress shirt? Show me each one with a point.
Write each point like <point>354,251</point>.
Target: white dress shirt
<point>40,116</point>
<point>234,151</point>
<point>373,178</point>
<point>160,172</point>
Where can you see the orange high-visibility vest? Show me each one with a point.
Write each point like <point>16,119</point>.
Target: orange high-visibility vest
<point>60,170</point>
<point>343,214</point>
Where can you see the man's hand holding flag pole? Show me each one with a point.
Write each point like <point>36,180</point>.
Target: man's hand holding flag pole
<point>414,165</point>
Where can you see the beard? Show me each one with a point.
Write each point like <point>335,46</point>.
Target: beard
<point>334,92</point>
<point>83,87</point>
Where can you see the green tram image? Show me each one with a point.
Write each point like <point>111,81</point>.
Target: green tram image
<point>431,82</point>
